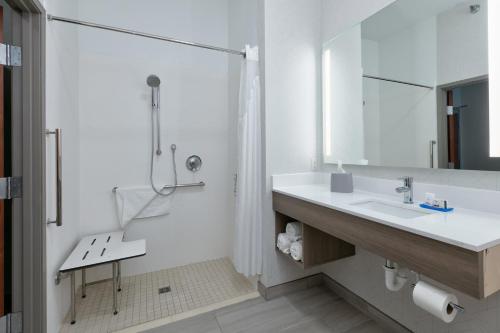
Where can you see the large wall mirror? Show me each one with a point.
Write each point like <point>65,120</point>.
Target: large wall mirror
<point>408,87</point>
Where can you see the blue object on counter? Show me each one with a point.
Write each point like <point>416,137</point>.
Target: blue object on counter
<point>439,209</point>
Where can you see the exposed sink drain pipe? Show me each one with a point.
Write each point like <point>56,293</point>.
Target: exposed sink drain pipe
<point>394,281</point>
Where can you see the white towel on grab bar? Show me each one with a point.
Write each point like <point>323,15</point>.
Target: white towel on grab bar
<point>140,203</point>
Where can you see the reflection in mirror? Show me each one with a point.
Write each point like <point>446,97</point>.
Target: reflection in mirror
<point>408,87</point>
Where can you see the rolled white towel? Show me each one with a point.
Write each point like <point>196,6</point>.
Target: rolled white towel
<point>284,242</point>
<point>294,230</point>
<point>296,250</point>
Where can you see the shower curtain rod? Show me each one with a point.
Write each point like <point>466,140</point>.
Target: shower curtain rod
<point>396,81</point>
<point>142,34</point>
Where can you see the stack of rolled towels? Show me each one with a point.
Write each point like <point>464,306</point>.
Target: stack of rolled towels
<point>290,242</point>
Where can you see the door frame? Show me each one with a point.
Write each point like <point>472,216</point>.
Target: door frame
<point>28,158</point>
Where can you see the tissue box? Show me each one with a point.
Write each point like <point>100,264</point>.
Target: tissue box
<point>341,183</point>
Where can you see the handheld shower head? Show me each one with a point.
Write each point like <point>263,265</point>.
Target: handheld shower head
<point>154,82</point>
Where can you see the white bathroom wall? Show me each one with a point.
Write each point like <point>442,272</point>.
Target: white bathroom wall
<point>62,112</point>
<point>462,43</point>
<point>292,90</point>
<point>115,125</point>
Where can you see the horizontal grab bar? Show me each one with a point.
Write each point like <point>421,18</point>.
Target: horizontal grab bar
<point>166,187</point>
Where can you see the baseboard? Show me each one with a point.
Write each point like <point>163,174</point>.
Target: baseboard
<point>289,287</point>
<point>362,305</point>
<point>359,303</point>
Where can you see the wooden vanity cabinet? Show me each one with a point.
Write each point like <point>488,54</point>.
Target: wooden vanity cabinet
<point>474,273</point>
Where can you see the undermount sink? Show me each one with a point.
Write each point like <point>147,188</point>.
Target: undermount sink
<point>392,209</point>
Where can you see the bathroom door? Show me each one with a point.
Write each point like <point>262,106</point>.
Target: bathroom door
<point>23,281</point>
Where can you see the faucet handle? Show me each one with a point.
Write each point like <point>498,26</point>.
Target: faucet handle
<point>407,180</point>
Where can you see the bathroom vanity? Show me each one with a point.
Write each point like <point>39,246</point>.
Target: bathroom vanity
<point>460,249</point>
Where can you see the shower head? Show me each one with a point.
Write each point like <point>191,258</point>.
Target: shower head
<point>153,81</point>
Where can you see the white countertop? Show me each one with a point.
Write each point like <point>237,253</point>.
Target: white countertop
<point>470,229</point>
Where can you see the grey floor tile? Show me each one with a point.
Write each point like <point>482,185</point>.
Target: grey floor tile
<point>270,316</point>
<point>205,323</point>
<point>242,305</point>
<point>342,317</point>
<point>315,302</point>
<point>312,311</point>
<point>308,325</point>
<point>368,327</point>
<point>314,293</point>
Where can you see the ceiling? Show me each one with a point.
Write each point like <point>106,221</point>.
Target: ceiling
<point>402,14</point>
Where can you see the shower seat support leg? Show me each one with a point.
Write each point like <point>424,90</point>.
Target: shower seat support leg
<point>84,283</point>
<point>115,296</point>
<point>73,291</point>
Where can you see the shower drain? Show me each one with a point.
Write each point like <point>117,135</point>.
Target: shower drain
<point>164,290</point>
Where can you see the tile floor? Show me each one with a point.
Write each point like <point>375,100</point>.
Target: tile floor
<point>316,310</point>
<point>192,287</point>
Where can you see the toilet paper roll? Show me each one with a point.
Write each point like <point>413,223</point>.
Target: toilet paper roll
<point>435,301</point>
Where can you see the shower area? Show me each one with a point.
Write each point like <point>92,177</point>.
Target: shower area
<point>150,149</point>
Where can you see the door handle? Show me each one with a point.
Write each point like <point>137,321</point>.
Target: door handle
<point>58,219</point>
<point>432,143</point>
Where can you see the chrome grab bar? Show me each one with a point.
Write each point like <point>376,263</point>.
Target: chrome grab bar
<point>432,143</point>
<point>166,187</point>
<point>58,220</point>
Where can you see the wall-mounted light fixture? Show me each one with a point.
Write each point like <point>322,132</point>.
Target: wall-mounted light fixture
<point>327,104</point>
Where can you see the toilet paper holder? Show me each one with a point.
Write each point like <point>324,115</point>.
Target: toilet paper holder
<point>457,307</point>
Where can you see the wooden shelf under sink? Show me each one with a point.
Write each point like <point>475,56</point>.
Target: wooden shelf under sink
<point>318,247</point>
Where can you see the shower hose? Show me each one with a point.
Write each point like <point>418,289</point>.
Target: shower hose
<point>151,169</point>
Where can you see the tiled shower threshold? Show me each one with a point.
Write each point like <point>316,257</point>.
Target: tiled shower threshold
<point>195,289</point>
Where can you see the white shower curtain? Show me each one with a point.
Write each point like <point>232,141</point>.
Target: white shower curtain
<point>248,224</point>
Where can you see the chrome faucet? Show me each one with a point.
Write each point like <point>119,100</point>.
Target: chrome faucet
<point>407,189</point>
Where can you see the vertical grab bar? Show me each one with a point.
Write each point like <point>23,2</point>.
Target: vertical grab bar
<point>58,220</point>
<point>432,143</point>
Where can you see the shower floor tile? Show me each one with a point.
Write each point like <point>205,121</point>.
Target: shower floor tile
<point>192,287</point>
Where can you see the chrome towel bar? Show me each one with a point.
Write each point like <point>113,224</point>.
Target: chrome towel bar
<point>166,187</point>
